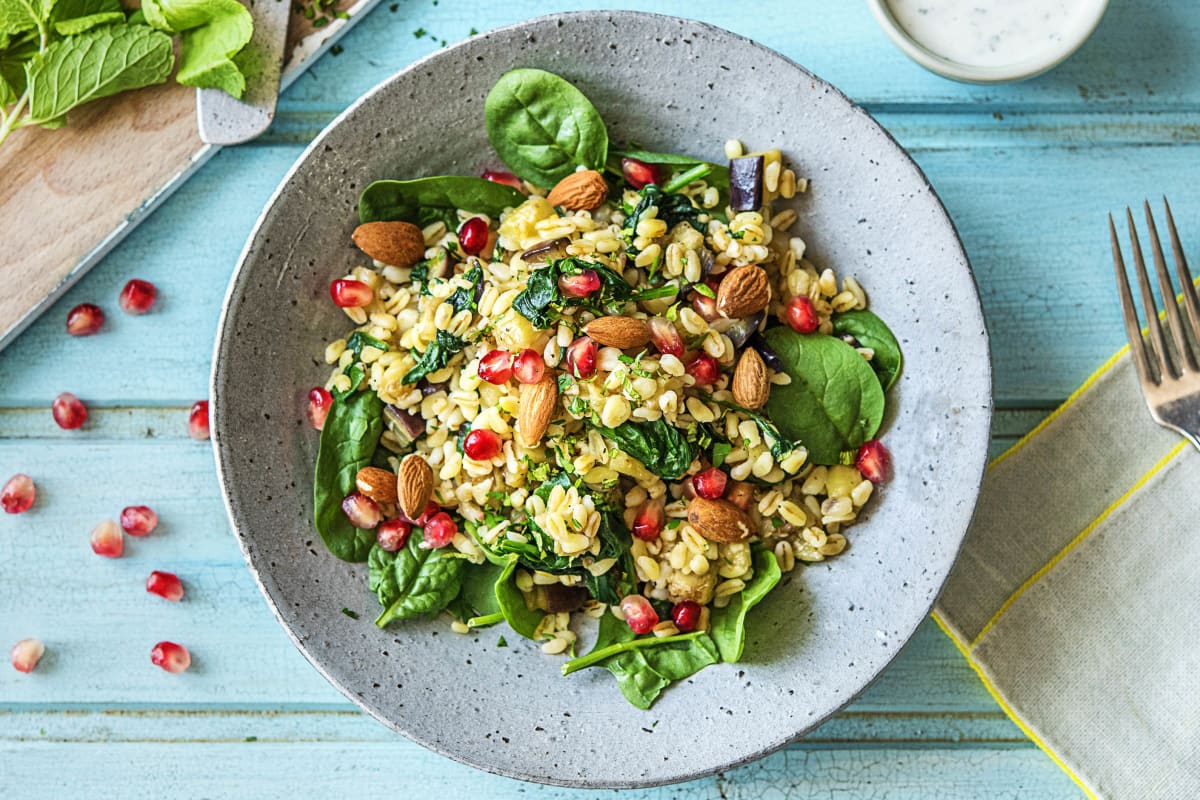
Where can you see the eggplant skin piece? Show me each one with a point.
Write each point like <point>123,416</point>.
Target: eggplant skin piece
<point>746,183</point>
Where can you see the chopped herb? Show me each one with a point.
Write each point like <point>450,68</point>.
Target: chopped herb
<point>720,452</point>
<point>499,642</point>
<point>468,298</point>
<point>320,22</point>
<point>737,235</point>
<point>337,49</point>
<point>419,32</point>
<point>248,738</point>
<point>350,614</point>
<point>672,524</point>
<point>656,293</point>
<point>564,382</point>
<point>705,289</point>
<point>579,407</point>
<point>472,32</point>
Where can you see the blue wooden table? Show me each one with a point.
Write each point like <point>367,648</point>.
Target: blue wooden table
<point>1027,172</point>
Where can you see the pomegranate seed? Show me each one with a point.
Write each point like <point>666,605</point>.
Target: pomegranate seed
<point>710,483</point>
<point>705,306</point>
<point>350,294</point>
<point>84,319</point>
<point>686,615</point>
<point>529,367</point>
<point>741,494</point>
<point>166,585</point>
<point>171,657</point>
<point>873,461</point>
<point>802,315</point>
<point>482,445</point>
<point>138,520</point>
<point>26,654</point>
<point>580,358</point>
<point>497,366</point>
<point>704,369</point>
<point>648,523</point>
<point>319,401</point>
<point>68,411</point>
<point>18,494</point>
<point>362,511</point>
<point>432,509</point>
<point>439,531</point>
<point>639,173</point>
<point>665,336</point>
<point>107,540</point>
<point>137,296</point>
<point>640,616</point>
<point>507,178</point>
<point>392,535</point>
<point>473,236</point>
<point>198,421</point>
<point>581,285</point>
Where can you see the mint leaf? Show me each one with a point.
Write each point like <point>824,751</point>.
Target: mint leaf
<point>18,16</point>
<point>213,32</point>
<point>73,27</point>
<point>12,68</point>
<point>72,17</point>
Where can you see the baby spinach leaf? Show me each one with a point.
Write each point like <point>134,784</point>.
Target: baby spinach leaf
<point>381,575</point>
<point>672,209</point>
<point>729,623</point>
<point>660,446</point>
<point>348,442</point>
<point>386,201</point>
<point>441,350</point>
<point>479,589</point>
<point>541,302</point>
<point>872,332</point>
<point>541,292</point>
<point>212,33</point>
<point>422,581</point>
<point>468,298</point>
<point>834,402</point>
<point>519,617</point>
<point>543,127</point>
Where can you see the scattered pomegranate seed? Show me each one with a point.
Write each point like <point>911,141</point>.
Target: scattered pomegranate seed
<point>497,366</point>
<point>319,401</point>
<point>137,296</point>
<point>705,306</point>
<point>529,366</point>
<point>704,369</point>
<point>439,531</point>
<point>686,615</point>
<point>873,461</point>
<point>639,173</point>
<point>166,585</point>
<point>392,534</point>
<point>84,319</point>
<point>68,411</point>
<point>473,236</point>
<point>18,494</point>
<point>362,511</point>
<point>482,444</point>
<point>648,523</point>
<point>350,294</point>
<point>640,616</point>
<point>107,540</point>
<point>171,657</point>
<point>432,509</point>
<point>802,315</point>
<point>581,285</point>
<point>138,520</point>
<point>741,494</point>
<point>198,421</point>
<point>507,178</point>
<point>26,654</point>
<point>580,358</point>
<point>665,336</point>
<point>710,483</point>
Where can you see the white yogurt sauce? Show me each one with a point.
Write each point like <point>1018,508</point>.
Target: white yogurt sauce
<point>987,33</point>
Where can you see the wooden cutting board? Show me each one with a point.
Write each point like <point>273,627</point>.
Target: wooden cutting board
<point>68,196</point>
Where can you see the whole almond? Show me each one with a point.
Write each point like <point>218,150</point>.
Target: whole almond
<point>719,520</point>
<point>400,244</point>
<point>584,190</point>
<point>744,291</point>
<point>751,386</point>
<point>623,333</point>
<point>377,484</point>
<point>414,485</point>
<point>537,404</point>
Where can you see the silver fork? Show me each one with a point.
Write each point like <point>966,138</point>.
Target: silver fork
<point>1169,369</point>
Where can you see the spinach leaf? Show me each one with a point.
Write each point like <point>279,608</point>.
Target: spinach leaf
<point>543,127</point>
<point>541,302</point>
<point>422,581</point>
<point>468,298</point>
<point>834,402</point>
<point>872,332</point>
<point>779,446</point>
<point>348,442</point>
<point>479,589</point>
<point>660,446</point>
<point>519,617</point>
<point>729,623</point>
<point>381,575</point>
<point>541,292</point>
<point>672,209</point>
<point>441,350</point>
<point>386,201</point>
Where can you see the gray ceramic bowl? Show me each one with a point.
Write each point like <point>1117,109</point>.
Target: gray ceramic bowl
<point>820,639</point>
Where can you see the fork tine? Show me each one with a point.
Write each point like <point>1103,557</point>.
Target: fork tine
<point>1133,330</point>
<point>1158,343</point>
<point>1183,351</point>
<point>1190,301</point>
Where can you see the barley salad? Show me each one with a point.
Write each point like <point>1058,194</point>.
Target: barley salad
<point>606,382</point>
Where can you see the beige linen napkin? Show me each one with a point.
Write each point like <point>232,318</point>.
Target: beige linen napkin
<point>1077,595</point>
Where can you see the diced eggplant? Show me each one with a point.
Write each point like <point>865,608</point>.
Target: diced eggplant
<point>555,597</point>
<point>542,252</point>
<point>441,265</point>
<point>406,427</point>
<point>428,388</point>
<point>769,357</point>
<point>739,331</point>
<point>746,183</point>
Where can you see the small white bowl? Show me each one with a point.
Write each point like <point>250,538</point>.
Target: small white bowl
<point>1087,18</point>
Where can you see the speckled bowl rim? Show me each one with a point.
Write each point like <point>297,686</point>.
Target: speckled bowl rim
<point>966,73</point>
<point>224,330</point>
